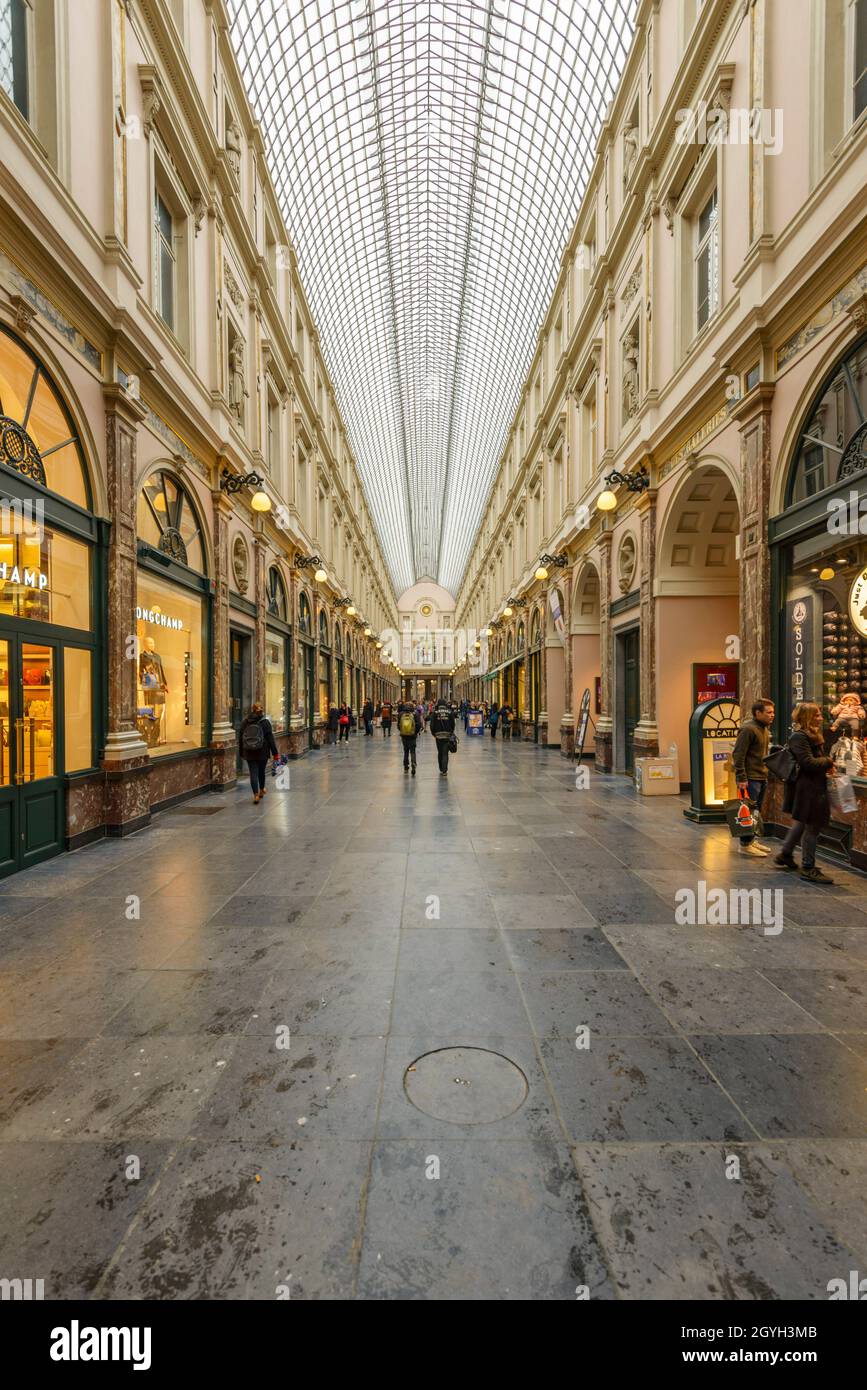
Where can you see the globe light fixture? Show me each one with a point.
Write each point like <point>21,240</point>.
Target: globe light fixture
<point>368,632</point>
<point>320,576</point>
<point>507,612</point>
<point>541,572</point>
<point>350,612</point>
<point>827,573</point>
<point>260,502</point>
<point>606,501</point>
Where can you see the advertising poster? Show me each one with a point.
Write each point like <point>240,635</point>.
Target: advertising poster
<point>714,680</point>
<point>475,723</point>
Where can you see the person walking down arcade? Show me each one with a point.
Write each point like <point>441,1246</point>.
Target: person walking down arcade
<point>257,746</point>
<point>442,726</point>
<point>385,718</point>
<point>409,722</point>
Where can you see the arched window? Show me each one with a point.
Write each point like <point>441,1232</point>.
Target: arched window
<point>536,631</point>
<point>276,604</point>
<point>521,636</point>
<point>508,646</point>
<point>305,620</point>
<point>338,640</point>
<point>37,436</point>
<point>167,520</point>
<point>833,445</point>
<point>323,629</point>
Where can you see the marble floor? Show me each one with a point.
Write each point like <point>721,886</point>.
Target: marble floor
<point>386,1037</point>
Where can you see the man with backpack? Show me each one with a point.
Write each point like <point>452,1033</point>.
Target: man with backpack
<point>748,758</point>
<point>408,726</point>
<point>257,745</point>
<point>367,716</point>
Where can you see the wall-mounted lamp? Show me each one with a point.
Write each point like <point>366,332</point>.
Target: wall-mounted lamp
<point>558,561</point>
<point>236,482</point>
<point>344,603</point>
<point>303,562</point>
<point>639,481</point>
<point>368,632</point>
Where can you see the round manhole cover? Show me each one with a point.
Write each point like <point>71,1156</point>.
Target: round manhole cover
<point>465,1085</point>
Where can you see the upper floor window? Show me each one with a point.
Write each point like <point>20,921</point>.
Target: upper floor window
<point>165,267</point>
<point>707,262</point>
<point>167,520</point>
<point>13,54</point>
<point>859,75</point>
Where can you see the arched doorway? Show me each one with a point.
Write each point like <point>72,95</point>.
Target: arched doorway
<point>584,636</point>
<point>51,610</point>
<point>307,647</point>
<point>698,602</point>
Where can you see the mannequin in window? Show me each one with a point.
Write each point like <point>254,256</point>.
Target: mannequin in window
<point>152,677</point>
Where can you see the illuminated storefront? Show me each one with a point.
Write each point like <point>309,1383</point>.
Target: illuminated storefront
<point>277,653</point>
<point>171,620</point>
<point>50,610</point>
<point>819,571</point>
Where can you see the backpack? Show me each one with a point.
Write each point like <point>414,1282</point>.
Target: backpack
<point>782,763</point>
<point>407,724</point>
<point>253,738</point>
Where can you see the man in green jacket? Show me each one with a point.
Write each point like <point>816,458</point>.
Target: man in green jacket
<point>748,756</point>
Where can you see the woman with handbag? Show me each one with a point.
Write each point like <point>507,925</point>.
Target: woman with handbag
<point>806,798</point>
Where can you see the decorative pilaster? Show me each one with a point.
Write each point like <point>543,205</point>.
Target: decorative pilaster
<point>223,741</point>
<point>567,723</point>
<point>753,414</point>
<point>604,736</point>
<point>260,547</point>
<point>125,757</point>
<point>646,736</point>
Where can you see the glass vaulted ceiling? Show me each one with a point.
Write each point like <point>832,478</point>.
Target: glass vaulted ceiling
<point>429,158</point>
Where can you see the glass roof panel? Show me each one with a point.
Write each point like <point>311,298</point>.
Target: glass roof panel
<point>429,157</point>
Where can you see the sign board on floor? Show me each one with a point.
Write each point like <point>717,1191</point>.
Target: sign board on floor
<point>475,723</point>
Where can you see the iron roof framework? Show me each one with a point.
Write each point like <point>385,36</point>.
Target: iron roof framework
<point>429,159</point>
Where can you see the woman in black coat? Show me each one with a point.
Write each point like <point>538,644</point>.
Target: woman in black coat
<point>806,799</point>
<point>333,723</point>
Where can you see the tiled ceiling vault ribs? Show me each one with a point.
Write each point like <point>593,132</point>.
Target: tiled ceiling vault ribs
<point>429,159</point>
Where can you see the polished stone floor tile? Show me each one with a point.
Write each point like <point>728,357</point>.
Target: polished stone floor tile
<point>808,1086</point>
<point>576,948</point>
<point>837,998</point>
<point>638,1090</point>
<point>610,1003</point>
<point>453,1000</point>
<point>215,1232</point>
<point>701,999</point>
<point>754,1238</point>
<point>499,1223</point>
<point>64,1208</point>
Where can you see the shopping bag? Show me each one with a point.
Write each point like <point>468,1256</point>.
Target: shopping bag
<point>842,794</point>
<point>743,818</point>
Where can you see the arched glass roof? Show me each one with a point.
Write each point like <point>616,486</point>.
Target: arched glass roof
<point>429,158</point>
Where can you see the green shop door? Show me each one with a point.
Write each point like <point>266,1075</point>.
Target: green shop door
<point>31,791</point>
<point>240,680</point>
<point>631,695</point>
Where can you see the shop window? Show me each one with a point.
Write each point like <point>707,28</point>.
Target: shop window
<point>276,680</point>
<point>44,575</point>
<point>77,706</point>
<point>168,522</point>
<point>825,640</point>
<point>324,685</point>
<point>706,285</point>
<point>171,686</point>
<point>38,438</point>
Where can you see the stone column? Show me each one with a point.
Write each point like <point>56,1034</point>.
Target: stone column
<point>567,723</point>
<point>604,736</point>
<point>125,757</point>
<point>543,671</point>
<point>753,414</point>
<point>646,737</point>
<point>223,740</point>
